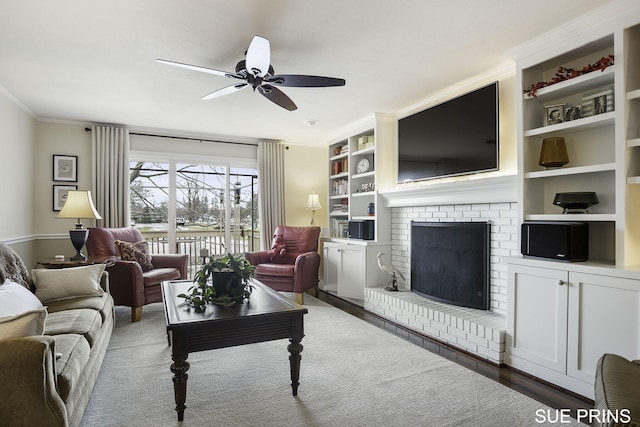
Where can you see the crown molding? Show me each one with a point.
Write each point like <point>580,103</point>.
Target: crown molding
<point>596,23</point>
<point>17,102</point>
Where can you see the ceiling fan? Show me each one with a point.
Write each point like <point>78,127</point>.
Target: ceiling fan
<point>256,71</point>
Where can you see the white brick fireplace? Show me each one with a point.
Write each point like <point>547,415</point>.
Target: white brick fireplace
<point>493,200</point>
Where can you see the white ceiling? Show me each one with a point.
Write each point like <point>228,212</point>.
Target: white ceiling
<point>93,61</point>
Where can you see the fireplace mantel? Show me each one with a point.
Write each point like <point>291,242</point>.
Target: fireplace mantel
<point>486,190</point>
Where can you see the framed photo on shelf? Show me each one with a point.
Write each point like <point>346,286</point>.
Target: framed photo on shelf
<point>60,195</point>
<point>65,168</point>
<point>572,113</point>
<point>598,101</point>
<point>554,114</point>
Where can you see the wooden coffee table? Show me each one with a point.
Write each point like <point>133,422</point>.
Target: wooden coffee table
<point>266,316</point>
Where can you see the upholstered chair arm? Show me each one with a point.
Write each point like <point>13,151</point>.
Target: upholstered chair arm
<point>28,386</point>
<point>256,258</point>
<point>178,261</point>
<point>126,283</point>
<point>306,271</point>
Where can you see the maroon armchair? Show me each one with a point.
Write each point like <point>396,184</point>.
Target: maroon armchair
<point>297,269</point>
<point>129,284</point>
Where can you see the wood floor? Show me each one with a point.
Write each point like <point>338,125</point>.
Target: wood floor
<point>539,390</point>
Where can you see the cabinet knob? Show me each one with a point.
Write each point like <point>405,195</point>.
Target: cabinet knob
<point>561,282</point>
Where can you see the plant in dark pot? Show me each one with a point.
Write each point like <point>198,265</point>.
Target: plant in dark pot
<point>223,281</point>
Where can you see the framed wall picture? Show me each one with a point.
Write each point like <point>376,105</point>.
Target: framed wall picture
<point>60,195</point>
<point>65,168</point>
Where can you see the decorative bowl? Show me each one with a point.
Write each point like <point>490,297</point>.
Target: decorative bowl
<point>576,202</point>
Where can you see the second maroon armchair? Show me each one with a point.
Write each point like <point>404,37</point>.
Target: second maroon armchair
<point>128,283</point>
<point>297,269</point>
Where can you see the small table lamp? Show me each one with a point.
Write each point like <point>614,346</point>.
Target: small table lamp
<point>313,204</point>
<point>79,205</point>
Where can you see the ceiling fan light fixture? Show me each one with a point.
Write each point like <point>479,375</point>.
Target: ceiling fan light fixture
<point>257,72</point>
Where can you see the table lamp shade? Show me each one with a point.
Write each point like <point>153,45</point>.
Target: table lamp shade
<point>79,205</point>
<point>313,202</point>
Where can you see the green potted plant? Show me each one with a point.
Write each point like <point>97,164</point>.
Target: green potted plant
<point>223,281</point>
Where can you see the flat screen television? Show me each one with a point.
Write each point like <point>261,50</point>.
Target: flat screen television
<point>457,137</point>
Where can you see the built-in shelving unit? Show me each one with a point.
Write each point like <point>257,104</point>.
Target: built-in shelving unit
<point>601,158</point>
<point>350,264</point>
<point>562,317</point>
<point>353,192</point>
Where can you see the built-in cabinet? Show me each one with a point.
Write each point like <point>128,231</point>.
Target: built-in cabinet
<point>357,159</point>
<point>349,267</point>
<point>561,317</point>
<point>562,320</point>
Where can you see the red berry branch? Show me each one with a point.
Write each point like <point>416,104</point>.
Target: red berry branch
<point>565,73</point>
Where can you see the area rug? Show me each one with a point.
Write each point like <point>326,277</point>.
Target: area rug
<point>352,374</point>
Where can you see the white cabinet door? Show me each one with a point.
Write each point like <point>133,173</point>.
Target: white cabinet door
<point>351,281</point>
<point>537,316</point>
<point>604,317</point>
<point>331,264</point>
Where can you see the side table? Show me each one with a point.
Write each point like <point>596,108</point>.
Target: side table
<point>67,263</point>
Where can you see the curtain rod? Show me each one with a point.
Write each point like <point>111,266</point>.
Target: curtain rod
<point>252,144</point>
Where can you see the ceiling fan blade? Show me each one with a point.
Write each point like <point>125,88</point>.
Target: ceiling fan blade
<point>259,56</point>
<point>200,69</point>
<point>299,80</point>
<point>224,91</point>
<point>278,97</point>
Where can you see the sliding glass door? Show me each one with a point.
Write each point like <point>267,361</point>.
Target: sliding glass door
<point>197,209</point>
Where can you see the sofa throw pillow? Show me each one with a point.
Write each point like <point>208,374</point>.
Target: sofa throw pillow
<point>138,252</point>
<point>24,324</point>
<point>16,299</point>
<point>65,283</point>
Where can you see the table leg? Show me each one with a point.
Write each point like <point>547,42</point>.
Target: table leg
<point>179,367</point>
<point>295,348</point>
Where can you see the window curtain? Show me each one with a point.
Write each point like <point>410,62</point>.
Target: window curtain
<point>271,189</point>
<point>110,174</point>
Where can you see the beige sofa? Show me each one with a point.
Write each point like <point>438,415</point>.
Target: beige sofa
<point>47,380</point>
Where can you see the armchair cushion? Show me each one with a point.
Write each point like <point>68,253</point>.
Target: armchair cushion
<point>280,270</point>
<point>65,283</point>
<point>159,275</point>
<point>138,252</point>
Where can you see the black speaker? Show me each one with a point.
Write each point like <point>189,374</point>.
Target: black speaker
<point>361,230</point>
<point>565,241</point>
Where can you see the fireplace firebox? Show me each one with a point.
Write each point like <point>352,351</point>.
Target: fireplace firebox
<point>450,262</point>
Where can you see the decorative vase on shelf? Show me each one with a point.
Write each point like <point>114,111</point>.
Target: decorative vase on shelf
<point>371,209</point>
<point>553,153</point>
